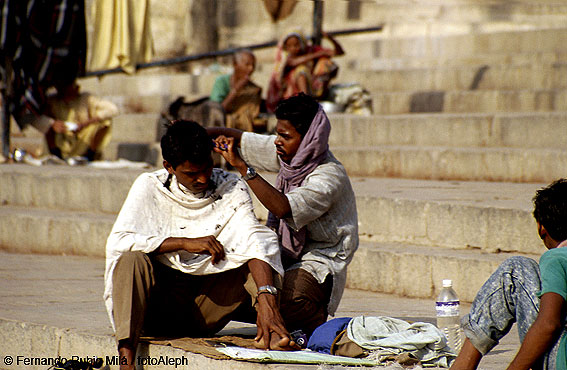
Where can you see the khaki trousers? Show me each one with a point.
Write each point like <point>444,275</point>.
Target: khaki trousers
<point>158,300</point>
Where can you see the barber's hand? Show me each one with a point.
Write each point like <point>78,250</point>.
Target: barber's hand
<point>205,245</point>
<point>272,333</point>
<point>227,148</point>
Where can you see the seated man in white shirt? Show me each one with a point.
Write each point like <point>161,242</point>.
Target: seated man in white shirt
<point>186,252</point>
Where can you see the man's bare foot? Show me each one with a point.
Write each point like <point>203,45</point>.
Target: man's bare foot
<point>277,343</point>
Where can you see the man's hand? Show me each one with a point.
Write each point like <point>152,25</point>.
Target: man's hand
<point>205,245</point>
<point>272,333</point>
<point>227,148</point>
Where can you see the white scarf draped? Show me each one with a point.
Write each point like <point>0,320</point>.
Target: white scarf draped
<point>153,213</point>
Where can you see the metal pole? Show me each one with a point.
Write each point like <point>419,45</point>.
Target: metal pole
<point>224,52</point>
<point>5,110</point>
<point>5,128</point>
<point>317,21</point>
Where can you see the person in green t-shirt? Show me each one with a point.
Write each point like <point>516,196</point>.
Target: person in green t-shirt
<point>532,296</point>
<point>239,96</point>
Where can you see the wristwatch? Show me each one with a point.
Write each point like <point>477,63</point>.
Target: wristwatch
<point>270,289</point>
<point>250,174</point>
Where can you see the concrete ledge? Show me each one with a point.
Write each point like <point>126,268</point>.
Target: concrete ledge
<point>455,101</point>
<point>66,188</point>
<point>458,46</point>
<point>488,216</point>
<point>402,268</point>
<point>491,217</point>
<point>449,129</point>
<point>23,340</point>
<point>417,271</point>
<point>462,164</point>
<point>25,230</point>
<point>134,134</point>
<point>471,61</point>
<point>482,77</point>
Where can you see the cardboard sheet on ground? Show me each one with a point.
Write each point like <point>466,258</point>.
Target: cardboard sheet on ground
<point>204,346</point>
<point>295,357</point>
<point>239,348</point>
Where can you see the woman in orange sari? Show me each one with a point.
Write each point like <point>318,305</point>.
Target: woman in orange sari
<point>301,67</point>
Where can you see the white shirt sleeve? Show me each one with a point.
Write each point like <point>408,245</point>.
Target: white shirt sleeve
<point>101,109</point>
<point>134,227</point>
<point>314,197</point>
<point>259,151</point>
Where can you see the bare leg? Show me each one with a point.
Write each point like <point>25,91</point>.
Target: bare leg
<point>302,85</point>
<point>468,358</point>
<point>98,138</point>
<point>128,352</point>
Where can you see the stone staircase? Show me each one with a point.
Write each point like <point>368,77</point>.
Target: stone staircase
<point>466,128</point>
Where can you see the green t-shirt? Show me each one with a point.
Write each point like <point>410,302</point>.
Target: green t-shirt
<point>221,88</point>
<point>553,267</point>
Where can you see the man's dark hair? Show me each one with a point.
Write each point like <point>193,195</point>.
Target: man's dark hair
<point>299,110</point>
<point>550,209</point>
<point>186,141</point>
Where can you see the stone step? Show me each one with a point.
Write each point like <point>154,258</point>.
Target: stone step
<point>465,45</point>
<point>62,314</point>
<point>395,268</point>
<point>172,85</point>
<point>479,147</point>
<point>528,71</point>
<point>454,163</point>
<point>482,77</point>
<point>472,61</point>
<point>425,129</point>
<point>533,58</point>
<point>81,189</point>
<point>378,78</point>
<point>405,269</point>
<point>508,130</point>
<point>458,101</point>
<point>155,103</point>
<point>458,215</point>
<point>417,271</point>
<point>54,231</point>
<point>450,101</point>
<point>491,217</point>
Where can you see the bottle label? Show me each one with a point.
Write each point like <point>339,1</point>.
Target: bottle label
<point>447,308</point>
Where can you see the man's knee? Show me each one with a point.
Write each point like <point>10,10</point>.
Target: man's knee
<point>300,288</point>
<point>132,258</point>
<point>519,264</point>
<point>133,263</point>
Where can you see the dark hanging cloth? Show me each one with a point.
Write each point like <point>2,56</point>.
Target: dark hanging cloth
<point>45,40</point>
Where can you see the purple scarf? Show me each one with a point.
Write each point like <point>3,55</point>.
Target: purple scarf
<point>313,150</point>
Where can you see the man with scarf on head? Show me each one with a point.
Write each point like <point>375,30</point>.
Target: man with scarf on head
<point>312,207</point>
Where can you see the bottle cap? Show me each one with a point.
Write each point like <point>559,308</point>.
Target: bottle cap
<point>447,283</point>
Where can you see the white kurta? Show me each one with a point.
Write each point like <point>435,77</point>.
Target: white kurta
<point>151,213</point>
<point>325,204</point>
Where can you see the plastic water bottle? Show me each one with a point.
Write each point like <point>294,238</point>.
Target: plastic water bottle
<point>448,319</point>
